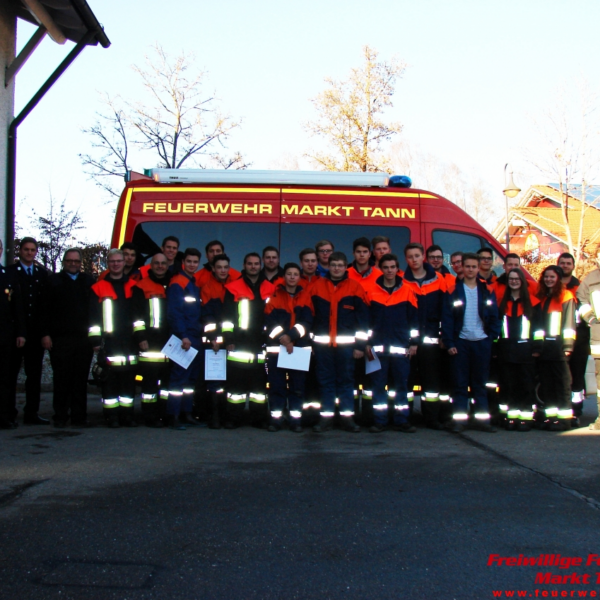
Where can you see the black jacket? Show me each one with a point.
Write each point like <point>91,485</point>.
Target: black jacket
<point>12,316</point>
<point>32,293</point>
<point>66,304</point>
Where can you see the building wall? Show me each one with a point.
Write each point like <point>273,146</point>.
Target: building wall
<point>8,34</point>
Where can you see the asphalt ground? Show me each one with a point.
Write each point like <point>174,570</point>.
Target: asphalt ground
<point>145,513</point>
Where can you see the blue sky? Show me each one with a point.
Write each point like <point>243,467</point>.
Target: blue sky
<point>476,70</point>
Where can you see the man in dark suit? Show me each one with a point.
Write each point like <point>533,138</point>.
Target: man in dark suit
<point>12,336</point>
<point>66,309</point>
<point>32,280</point>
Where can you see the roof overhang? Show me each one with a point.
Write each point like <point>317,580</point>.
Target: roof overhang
<point>63,20</point>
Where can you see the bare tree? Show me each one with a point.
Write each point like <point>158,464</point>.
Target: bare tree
<point>56,231</point>
<point>179,123</point>
<point>350,120</point>
<point>567,150</point>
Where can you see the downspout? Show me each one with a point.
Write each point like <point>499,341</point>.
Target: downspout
<point>11,171</point>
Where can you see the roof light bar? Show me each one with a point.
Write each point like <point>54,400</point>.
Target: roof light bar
<point>269,177</point>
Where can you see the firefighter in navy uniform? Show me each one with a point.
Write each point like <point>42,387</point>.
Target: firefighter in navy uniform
<point>111,322</point>
<point>213,296</point>
<point>151,332</point>
<point>287,322</point>
<point>32,280</point>
<point>12,337</point>
<point>243,329</point>
<point>184,313</point>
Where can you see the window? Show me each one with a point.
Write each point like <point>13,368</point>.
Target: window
<point>295,237</point>
<point>238,238</point>
<point>455,241</point>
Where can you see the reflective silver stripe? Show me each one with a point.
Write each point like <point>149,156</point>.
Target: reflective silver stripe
<point>565,413</point>
<point>346,413</point>
<point>397,350</point>
<point>595,349</point>
<point>153,357</point>
<point>276,332</point>
<point>482,416</point>
<point>110,402</point>
<point>300,329</point>
<point>585,309</point>
<point>236,398</point>
<point>551,411</point>
<point>274,349</point>
<point>414,333</point>
<point>125,401</point>
<point>539,334</point>
<point>458,303</point>
<point>428,340</point>
<point>244,313</point>
<point>94,330</point>
<point>189,299</point>
<point>361,335</point>
<point>155,313</point>
<point>227,326</point>
<point>116,360</point>
<point>322,339</point>
<point>240,356</point>
<point>276,414</point>
<point>346,339</point>
<point>210,327</point>
<point>139,325</point>
<point>460,417</point>
<point>378,348</point>
<point>295,414</point>
<point>595,297</point>
<point>327,414</point>
<point>307,405</point>
<point>505,327</point>
<point>525,328</point>
<point>380,406</point>
<point>555,320</point>
<point>569,334</point>
<point>107,315</point>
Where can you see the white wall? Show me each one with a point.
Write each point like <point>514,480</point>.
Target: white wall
<point>8,28</point>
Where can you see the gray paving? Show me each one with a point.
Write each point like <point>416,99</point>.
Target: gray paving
<point>148,513</point>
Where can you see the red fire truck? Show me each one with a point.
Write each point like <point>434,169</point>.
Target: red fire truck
<point>291,210</point>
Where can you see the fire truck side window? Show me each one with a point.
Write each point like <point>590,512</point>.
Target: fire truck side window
<point>295,237</point>
<point>238,238</point>
<point>453,241</point>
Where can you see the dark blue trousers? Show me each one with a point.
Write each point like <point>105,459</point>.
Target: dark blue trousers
<point>399,368</point>
<point>471,366</point>
<point>182,383</point>
<point>286,387</point>
<point>335,374</point>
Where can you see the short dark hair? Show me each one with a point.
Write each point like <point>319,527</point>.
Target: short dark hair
<point>170,238</point>
<point>512,255</point>
<point>306,251</point>
<point>269,249</point>
<point>361,241</point>
<point>323,243</point>
<point>192,252</point>
<point>458,253</point>
<point>378,239</point>
<point>338,256</point>
<point>129,246</point>
<point>481,250</point>
<point>434,248</point>
<point>29,240</point>
<point>220,257</point>
<point>566,255</point>
<point>414,246</point>
<point>470,256</point>
<point>72,250</point>
<point>291,265</point>
<point>256,254</point>
<point>214,243</point>
<point>387,258</point>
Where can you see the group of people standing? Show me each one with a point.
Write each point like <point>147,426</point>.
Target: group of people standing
<point>478,349</point>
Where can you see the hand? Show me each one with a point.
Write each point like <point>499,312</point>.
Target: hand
<point>568,353</point>
<point>47,342</point>
<point>96,349</point>
<point>216,346</point>
<point>357,354</point>
<point>535,354</point>
<point>289,347</point>
<point>20,342</point>
<point>452,351</point>
<point>230,348</point>
<point>285,340</point>
<point>442,345</point>
<point>412,351</point>
<point>144,346</point>
<point>186,344</point>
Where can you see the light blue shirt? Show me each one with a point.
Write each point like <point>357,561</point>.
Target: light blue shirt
<point>472,328</point>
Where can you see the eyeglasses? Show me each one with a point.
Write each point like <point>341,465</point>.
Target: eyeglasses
<point>456,262</point>
<point>325,251</point>
<point>436,257</point>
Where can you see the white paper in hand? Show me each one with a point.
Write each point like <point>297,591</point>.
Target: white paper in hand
<point>215,365</point>
<point>372,365</point>
<point>299,359</point>
<point>176,353</point>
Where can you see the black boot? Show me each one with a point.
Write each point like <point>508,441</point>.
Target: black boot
<point>324,424</point>
<point>215,421</point>
<point>348,424</point>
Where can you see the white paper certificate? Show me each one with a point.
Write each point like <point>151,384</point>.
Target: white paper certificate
<point>299,359</point>
<point>215,365</point>
<point>176,353</point>
<point>372,365</point>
